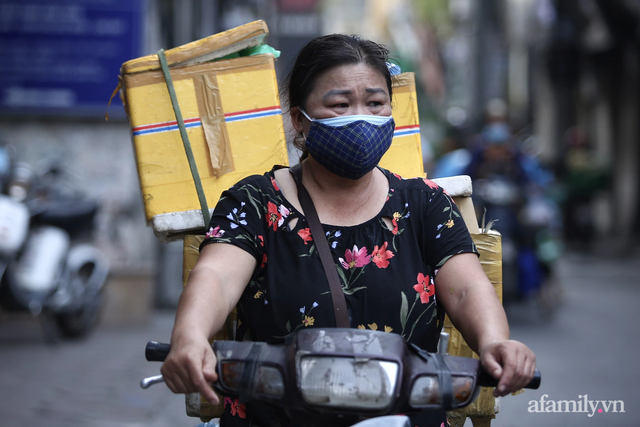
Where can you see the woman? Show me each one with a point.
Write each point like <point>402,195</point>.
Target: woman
<point>398,245</point>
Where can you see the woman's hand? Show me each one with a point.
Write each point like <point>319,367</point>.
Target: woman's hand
<point>214,288</point>
<point>473,306</point>
<point>191,367</point>
<point>510,362</point>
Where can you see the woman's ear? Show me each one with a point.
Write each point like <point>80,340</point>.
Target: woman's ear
<point>296,118</point>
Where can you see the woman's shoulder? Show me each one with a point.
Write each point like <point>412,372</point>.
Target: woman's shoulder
<point>398,182</point>
<point>257,182</point>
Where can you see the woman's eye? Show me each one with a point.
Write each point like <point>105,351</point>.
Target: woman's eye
<point>342,105</point>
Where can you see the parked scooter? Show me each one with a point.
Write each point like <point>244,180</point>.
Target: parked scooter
<point>338,377</point>
<point>47,265</point>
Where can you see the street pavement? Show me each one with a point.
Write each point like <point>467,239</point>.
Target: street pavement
<point>91,383</point>
<point>590,348</point>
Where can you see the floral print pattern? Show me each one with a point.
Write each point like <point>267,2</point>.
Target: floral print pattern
<point>305,319</point>
<point>214,232</point>
<point>395,219</point>
<point>357,258</point>
<point>381,256</point>
<point>432,185</point>
<point>275,184</point>
<point>425,288</point>
<point>236,216</point>
<point>354,262</point>
<point>387,269</point>
<point>305,235</point>
<point>237,409</point>
<point>276,215</point>
<point>332,238</point>
<point>374,327</point>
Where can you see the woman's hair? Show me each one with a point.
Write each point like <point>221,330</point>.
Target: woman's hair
<point>322,54</point>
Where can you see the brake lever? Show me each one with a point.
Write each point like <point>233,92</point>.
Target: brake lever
<point>155,352</point>
<point>149,381</point>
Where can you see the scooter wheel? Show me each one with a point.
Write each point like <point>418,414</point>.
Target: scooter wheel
<point>80,323</point>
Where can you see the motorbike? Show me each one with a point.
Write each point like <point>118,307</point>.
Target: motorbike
<point>499,199</point>
<point>511,188</point>
<point>340,377</point>
<point>48,266</point>
<point>529,223</point>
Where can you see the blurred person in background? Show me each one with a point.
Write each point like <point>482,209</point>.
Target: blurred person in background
<point>510,186</point>
<point>455,156</point>
<point>494,151</point>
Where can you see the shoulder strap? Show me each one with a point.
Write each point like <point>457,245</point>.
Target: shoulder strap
<point>320,240</point>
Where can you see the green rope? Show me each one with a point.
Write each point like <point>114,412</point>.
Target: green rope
<point>185,138</point>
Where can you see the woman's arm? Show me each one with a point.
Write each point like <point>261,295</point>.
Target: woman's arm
<point>212,291</point>
<point>473,307</point>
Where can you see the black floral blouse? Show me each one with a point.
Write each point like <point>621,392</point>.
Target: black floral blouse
<point>387,272</point>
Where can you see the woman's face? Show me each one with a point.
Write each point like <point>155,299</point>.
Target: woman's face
<point>343,91</point>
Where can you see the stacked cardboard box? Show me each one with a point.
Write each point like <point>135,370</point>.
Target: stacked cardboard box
<point>231,110</point>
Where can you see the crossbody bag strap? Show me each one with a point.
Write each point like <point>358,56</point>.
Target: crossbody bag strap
<point>322,245</point>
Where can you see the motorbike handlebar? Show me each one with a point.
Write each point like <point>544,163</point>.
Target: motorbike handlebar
<point>486,380</point>
<point>157,352</point>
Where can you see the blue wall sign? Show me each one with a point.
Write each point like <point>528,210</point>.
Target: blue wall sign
<point>64,57</point>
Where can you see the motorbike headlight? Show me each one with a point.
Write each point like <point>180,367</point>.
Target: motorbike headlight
<point>349,383</point>
<point>268,380</point>
<point>230,374</point>
<point>426,391</point>
<point>462,389</point>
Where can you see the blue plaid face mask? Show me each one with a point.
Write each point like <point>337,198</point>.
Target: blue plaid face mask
<point>349,146</point>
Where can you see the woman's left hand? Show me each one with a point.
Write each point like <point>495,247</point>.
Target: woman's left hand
<point>510,362</point>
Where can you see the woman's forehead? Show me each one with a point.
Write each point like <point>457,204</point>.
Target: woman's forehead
<point>343,79</point>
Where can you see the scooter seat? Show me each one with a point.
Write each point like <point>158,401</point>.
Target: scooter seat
<point>71,215</point>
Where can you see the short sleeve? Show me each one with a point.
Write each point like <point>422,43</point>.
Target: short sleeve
<point>445,233</point>
<point>238,218</point>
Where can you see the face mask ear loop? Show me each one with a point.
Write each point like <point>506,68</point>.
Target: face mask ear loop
<point>308,118</point>
<point>305,114</point>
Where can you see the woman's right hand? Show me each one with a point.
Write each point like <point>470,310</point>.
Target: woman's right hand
<point>213,290</point>
<point>191,367</point>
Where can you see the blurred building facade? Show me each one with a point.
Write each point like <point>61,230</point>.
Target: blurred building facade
<point>63,61</point>
<point>559,64</point>
<point>568,70</point>
<point>585,62</point>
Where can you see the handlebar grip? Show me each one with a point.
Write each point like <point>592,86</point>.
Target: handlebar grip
<point>486,380</point>
<point>156,351</point>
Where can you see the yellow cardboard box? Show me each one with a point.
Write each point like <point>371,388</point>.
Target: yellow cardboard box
<point>231,110</point>
<point>404,157</point>
<point>232,113</point>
